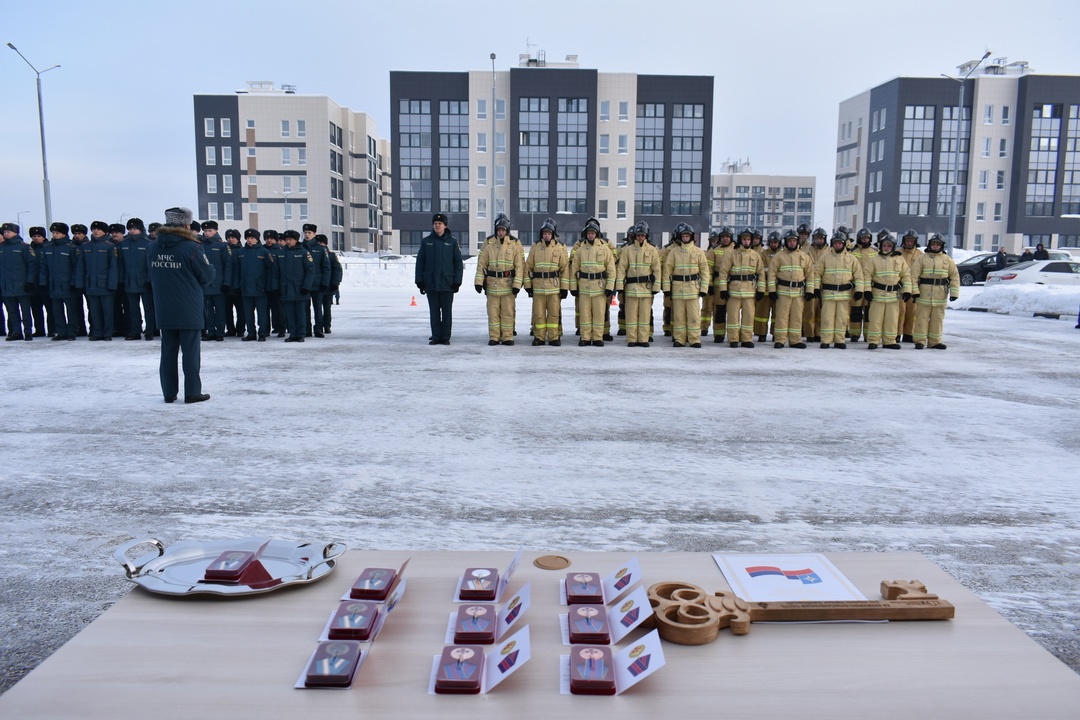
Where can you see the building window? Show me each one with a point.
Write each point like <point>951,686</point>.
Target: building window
<point>605,109</point>
<point>624,144</point>
<point>603,209</point>
<point>624,110</point>
<point>1003,148</point>
<point>995,242</point>
<point>481,114</point>
<point>986,147</point>
<point>228,211</point>
<point>251,152</point>
<point>978,241</point>
<point>252,180</point>
<point>481,175</point>
<point>882,126</point>
<point>227,184</point>
<point>211,155</point>
<point>481,207</point>
<point>212,211</point>
<point>481,142</point>
<point>208,127</point>
<point>997,212</point>
<point>301,129</point>
<point>988,115</point>
<point>500,109</point>
<point>226,155</point>
<point>301,156</point>
<point>286,156</point>
<point>1000,179</point>
<point>250,124</point>
<point>303,211</point>
<point>253,208</point>
<point>621,177</point>
<point>605,144</point>
<point>603,176</point>
<point>980,212</point>
<point>983,175</point>
<point>211,184</point>
<point>620,210</point>
<point>1004,114</point>
<point>288,211</point>
<point>284,128</point>
<point>500,142</point>
<point>286,184</point>
<point>873,121</point>
<point>302,184</point>
<point>226,127</point>
<point>500,175</point>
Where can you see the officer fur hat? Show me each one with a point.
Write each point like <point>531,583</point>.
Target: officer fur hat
<point>320,238</point>
<point>100,225</point>
<point>59,227</point>
<point>232,232</point>
<point>290,234</point>
<point>310,227</point>
<point>267,234</point>
<point>209,225</point>
<point>78,228</point>
<point>117,228</point>
<point>134,223</point>
<point>9,227</point>
<point>439,217</point>
<point>153,226</point>
<point>195,226</point>
<point>37,231</point>
<point>252,233</point>
<point>178,217</point>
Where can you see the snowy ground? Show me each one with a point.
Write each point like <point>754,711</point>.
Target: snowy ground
<point>969,456</point>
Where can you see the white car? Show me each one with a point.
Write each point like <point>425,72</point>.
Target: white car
<point>1040,272</point>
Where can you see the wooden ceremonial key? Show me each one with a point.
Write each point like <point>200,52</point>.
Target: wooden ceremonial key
<point>685,614</point>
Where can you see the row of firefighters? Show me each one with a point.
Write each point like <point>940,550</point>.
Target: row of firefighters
<point>797,286</point>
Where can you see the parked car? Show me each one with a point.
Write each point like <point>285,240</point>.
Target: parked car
<point>1040,272</point>
<point>976,267</point>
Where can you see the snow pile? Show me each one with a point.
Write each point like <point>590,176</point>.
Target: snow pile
<point>1023,298</point>
<point>369,271</point>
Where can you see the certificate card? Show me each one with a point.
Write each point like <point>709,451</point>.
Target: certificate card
<point>789,578</point>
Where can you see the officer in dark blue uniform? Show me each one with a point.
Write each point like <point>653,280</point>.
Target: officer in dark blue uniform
<point>234,301</point>
<point>98,275</point>
<point>18,278</point>
<point>135,280</point>
<point>40,308</point>
<point>121,323</point>
<point>336,274</point>
<point>78,240</point>
<point>277,308</point>
<point>58,264</point>
<point>253,278</point>
<point>217,252</point>
<point>295,276</point>
<point>439,269</point>
<point>179,270</point>
<point>321,284</point>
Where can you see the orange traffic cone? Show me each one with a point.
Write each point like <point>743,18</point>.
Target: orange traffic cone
<point>413,303</point>
<point>613,303</point>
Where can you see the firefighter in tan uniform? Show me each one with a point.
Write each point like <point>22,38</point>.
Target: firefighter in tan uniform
<point>860,311</point>
<point>790,280</point>
<point>838,280</point>
<point>685,280</point>
<point>547,281</point>
<point>638,277</point>
<point>708,303</point>
<point>592,281</point>
<point>666,315</point>
<point>909,250</point>
<point>890,283</point>
<point>934,277</point>
<point>818,247</point>
<point>741,282</point>
<point>763,310</point>
<point>719,319</point>
<point>500,271</point>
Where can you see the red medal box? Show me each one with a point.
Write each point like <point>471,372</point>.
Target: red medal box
<point>229,566</point>
<point>479,584</point>
<point>588,625</point>
<point>592,671</point>
<point>584,589</point>
<point>333,664</point>
<point>353,621</point>
<point>460,670</point>
<point>374,584</point>
<point>475,624</point>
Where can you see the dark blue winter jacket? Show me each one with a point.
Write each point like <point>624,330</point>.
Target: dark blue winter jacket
<point>133,254</point>
<point>179,270</point>
<point>18,268</point>
<point>98,272</point>
<point>217,252</point>
<point>253,270</point>
<point>438,264</point>
<point>295,272</point>
<point>58,264</point>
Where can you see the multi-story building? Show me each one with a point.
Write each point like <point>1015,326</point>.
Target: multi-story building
<point>272,158</point>
<point>1011,155</point>
<point>548,140</point>
<point>741,198</point>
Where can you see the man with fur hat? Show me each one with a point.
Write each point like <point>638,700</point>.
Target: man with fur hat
<point>336,275</point>
<point>547,282</point>
<point>135,280</point>
<point>935,278</point>
<point>321,284</point>
<point>40,308</point>
<point>78,240</point>
<point>890,283</point>
<point>500,272</point>
<point>253,277</point>
<point>18,278</point>
<point>277,307</point>
<point>295,278</point>
<point>99,276</point>
<point>179,270</point>
<point>217,252</point>
<point>58,264</point>
<point>439,270</point>
<point>592,279</point>
<point>234,302</point>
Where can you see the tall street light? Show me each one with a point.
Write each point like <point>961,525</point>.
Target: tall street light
<point>491,147</point>
<point>41,122</point>
<point>956,155</point>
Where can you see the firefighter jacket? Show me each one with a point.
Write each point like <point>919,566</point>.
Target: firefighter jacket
<point>500,269</point>
<point>864,255</point>
<point>934,278</point>
<point>592,268</point>
<point>715,259</point>
<point>791,273</point>
<point>838,275</point>
<point>685,272</point>
<point>888,276</point>
<point>547,269</point>
<point>638,273</point>
<point>816,253</point>
<point>910,256</point>
<point>741,272</point>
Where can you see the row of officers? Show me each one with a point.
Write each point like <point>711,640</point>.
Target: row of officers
<point>263,283</point>
<point>804,284</point>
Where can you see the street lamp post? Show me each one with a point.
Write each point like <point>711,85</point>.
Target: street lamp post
<point>286,214</point>
<point>491,172</point>
<point>956,155</point>
<point>18,218</point>
<point>41,123</point>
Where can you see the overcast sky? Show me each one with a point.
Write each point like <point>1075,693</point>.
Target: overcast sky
<point>119,117</point>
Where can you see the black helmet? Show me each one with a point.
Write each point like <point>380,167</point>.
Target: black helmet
<point>727,231</point>
<point>774,236</point>
<point>549,224</point>
<point>911,233</point>
<point>756,233</point>
<point>845,231</point>
<point>746,231</point>
<point>591,224</point>
<point>630,231</point>
<point>884,233</point>
<point>863,233</point>
<point>803,229</point>
<point>886,238</point>
<point>838,236</point>
<point>791,234</point>
<point>641,228</point>
<point>501,221</point>
<point>935,238</point>
<point>819,232</point>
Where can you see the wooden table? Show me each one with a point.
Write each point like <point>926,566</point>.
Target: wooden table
<point>160,657</point>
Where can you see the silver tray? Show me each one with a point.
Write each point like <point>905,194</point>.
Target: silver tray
<point>179,568</point>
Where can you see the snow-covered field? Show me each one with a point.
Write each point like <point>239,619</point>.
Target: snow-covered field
<point>969,456</point>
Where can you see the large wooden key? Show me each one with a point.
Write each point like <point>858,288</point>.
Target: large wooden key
<point>687,615</point>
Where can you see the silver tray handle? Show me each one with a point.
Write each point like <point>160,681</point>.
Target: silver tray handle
<point>331,552</point>
<point>131,570</point>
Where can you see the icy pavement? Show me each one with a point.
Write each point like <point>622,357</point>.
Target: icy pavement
<point>969,456</point>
